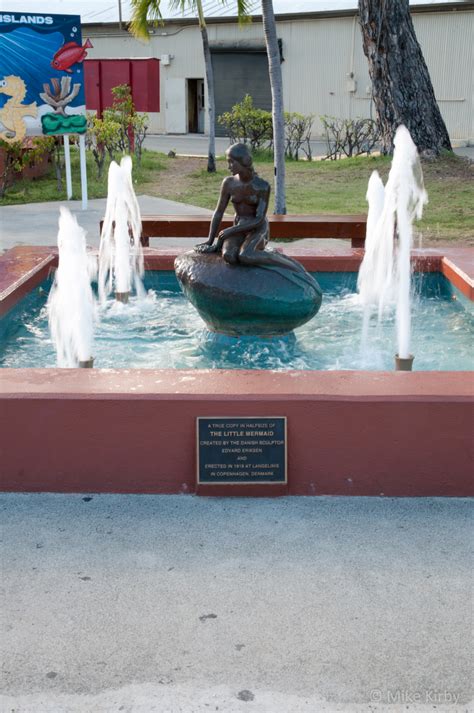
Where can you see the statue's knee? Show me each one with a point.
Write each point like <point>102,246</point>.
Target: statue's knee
<point>246,258</point>
<point>230,256</point>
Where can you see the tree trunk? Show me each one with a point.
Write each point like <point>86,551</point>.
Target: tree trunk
<point>274,68</point>
<point>401,85</point>
<point>211,105</point>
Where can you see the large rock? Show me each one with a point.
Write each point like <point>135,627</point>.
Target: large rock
<point>241,300</point>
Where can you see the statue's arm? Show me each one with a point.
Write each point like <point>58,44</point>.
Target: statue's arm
<point>262,207</point>
<point>218,214</point>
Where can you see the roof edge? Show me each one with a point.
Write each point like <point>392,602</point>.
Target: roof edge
<point>310,15</point>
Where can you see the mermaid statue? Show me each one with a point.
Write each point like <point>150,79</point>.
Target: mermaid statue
<point>238,284</point>
<point>245,242</point>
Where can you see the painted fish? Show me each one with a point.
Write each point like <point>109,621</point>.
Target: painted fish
<point>69,54</point>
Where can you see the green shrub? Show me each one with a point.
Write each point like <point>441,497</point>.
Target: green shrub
<point>252,126</point>
<point>298,134</point>
<point>120,130</point>
<point>102,139</point>
<point>349,137</point>
<point>247,124</point>
<point>17,156</point>
<point>132,126</point>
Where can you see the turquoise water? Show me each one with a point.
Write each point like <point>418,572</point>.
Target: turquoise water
<point>164,331</point>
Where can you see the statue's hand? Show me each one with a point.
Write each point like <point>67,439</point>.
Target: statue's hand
<point>226,233</point>
<point>205,248</point>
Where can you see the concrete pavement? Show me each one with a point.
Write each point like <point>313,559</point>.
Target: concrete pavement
<point>179,604</point>
<point>197,145</point>
<point>185,604</point>
<point>37,223</point>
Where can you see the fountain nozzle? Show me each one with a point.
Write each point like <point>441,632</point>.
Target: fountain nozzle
<point>86,364</point>
<point>122,297</point>
<point>404,363</point>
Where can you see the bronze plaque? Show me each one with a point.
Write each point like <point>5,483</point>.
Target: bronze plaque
<point>241,449</point>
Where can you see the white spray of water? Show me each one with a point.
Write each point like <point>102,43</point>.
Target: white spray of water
<point>121,255</point>
<point>71,303</point>
<point>366,278</point>
<point>384,276</point>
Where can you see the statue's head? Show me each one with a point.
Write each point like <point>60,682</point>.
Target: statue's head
<point>240,154</point>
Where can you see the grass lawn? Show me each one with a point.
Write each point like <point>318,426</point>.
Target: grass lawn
<point>312,187</point>
<point>46,188</point>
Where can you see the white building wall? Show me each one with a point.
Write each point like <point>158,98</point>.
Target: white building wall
<point>320,56</point>
<point>318,59</point>
<point>447,42</point>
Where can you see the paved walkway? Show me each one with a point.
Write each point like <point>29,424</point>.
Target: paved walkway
<point>175,604</point>
<point>180,604</point>
<point>197,145</point>
<point>37,223</point>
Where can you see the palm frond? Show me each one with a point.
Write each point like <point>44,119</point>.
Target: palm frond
<point>144,12</point>
<point>183,5</point>
<point>244,10</point>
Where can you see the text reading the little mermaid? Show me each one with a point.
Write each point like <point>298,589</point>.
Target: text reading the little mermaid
<point>241,450</point>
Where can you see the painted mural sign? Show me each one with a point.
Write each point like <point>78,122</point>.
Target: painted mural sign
<point>41,75</point>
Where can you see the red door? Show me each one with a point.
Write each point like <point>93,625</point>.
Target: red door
<point>142,75</point>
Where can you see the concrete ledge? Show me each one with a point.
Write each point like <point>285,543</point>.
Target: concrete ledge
<point>398,434</point>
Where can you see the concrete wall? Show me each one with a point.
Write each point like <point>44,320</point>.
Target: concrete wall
<point>321,53</point>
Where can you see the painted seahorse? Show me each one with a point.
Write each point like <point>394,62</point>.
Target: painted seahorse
<point>12,113</point>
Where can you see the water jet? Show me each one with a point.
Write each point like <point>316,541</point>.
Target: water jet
<point>120,252</point>
<point>384,277</point>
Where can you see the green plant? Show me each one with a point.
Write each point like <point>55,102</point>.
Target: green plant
<point>298,134</point>
<point>102,139</point>
<point>17,155</point>
<point>140,127</point>
<point>132,127</point>
<point>44,188</point>
<point>248,124</point>
<point>253,126</point>
<point>349,137</point>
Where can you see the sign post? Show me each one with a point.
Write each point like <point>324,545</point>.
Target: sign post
<point>82,156</point>
<point>67,163</point>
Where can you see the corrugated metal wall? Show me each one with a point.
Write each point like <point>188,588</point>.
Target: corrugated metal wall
<point>320,57</point>
<point>447,42</point>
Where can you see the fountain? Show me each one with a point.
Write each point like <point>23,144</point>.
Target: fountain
<point>121,254</point>
<point>71,301</point>
<point>384,276</point>
<point>138,421</point>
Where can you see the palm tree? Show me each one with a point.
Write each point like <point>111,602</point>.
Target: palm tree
<point>276,84</point>
<point>149,10</point>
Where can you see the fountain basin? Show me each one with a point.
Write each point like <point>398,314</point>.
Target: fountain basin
<point>160,330</point>
<point>121,430</point>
